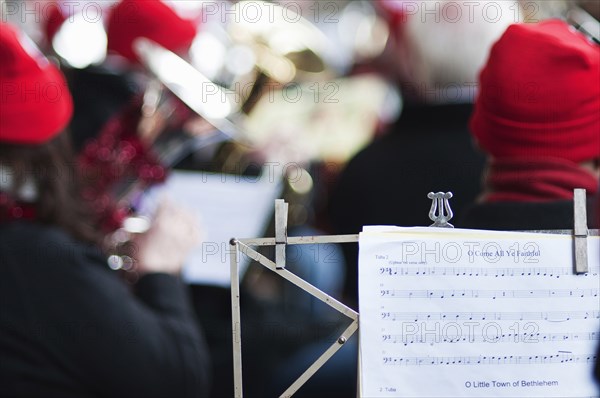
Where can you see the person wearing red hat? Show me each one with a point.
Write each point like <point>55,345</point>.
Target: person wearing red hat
<point>437,54</point>
<point>101,91</point>
<point>153,20</point>
<point>109,99</point>
<point>537,117</point>
<point>69,325</point>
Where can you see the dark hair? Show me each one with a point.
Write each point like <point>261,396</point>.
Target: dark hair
<point>51,166</point>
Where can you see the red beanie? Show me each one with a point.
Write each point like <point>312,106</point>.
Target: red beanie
<point>154,20</point>
<point>53,18</point>
<point>539,94</point>
<point>35,103</point>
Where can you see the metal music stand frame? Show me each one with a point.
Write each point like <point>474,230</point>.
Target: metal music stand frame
<point>440,213</point>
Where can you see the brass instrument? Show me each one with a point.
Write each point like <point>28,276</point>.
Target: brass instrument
<point>584,22</point>
<point>214,95</point>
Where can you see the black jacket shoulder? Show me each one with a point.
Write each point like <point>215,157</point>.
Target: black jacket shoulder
<point>69,326</point>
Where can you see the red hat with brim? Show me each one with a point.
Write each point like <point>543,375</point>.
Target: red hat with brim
<point>35,102</point>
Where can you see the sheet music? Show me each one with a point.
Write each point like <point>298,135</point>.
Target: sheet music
<point>226,206</point>
<point>465,313</point>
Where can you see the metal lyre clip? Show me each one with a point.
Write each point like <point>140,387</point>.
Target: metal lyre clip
<point>440,212</point>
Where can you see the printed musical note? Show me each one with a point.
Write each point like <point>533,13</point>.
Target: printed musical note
<point>429,338</point>
<point>493,294</point>
<point>564,358</point>
<point>466,298</point>
<point>483,316</point>
<point>552,272</point>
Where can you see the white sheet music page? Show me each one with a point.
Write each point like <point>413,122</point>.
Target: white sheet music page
<point>466,313</point>
<point>225,206</point>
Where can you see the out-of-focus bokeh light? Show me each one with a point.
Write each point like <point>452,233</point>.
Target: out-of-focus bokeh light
<point>208,54</point>
<point>362,31</point>
<point>301,181</point>
<point>80,42</point>
<point>240,60</point>
<point>136,225</point>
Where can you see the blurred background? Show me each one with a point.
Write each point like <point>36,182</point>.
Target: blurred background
<point>352,111</point>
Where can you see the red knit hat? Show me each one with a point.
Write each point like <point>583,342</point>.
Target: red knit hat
<point>35,102</point>
<point>53,18</point>
<point>539,94</point>
<point>154,20</point>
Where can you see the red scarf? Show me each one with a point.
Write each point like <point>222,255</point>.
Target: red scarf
<point>536,180</point>
<point>12,210</point>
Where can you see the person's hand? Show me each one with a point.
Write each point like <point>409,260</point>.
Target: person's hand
<point>164,247</point>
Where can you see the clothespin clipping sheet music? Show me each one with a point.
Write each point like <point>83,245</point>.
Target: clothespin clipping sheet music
<point>471,313</point>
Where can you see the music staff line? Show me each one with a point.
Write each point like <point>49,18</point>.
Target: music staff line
<point>493,294</point>
<point>558,316</point>
<point>564,358</point>
<point>476,272</point>
<point>505,338</point>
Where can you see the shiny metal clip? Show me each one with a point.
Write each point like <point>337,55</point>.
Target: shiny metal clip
<point>440,212</point>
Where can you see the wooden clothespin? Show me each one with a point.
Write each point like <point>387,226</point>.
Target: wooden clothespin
<point>580,231</point>
<point>281,218</point>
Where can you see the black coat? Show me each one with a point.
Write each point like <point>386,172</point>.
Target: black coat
<point>428,149</point>
<point>70,327</point>
<point>511,216</point>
